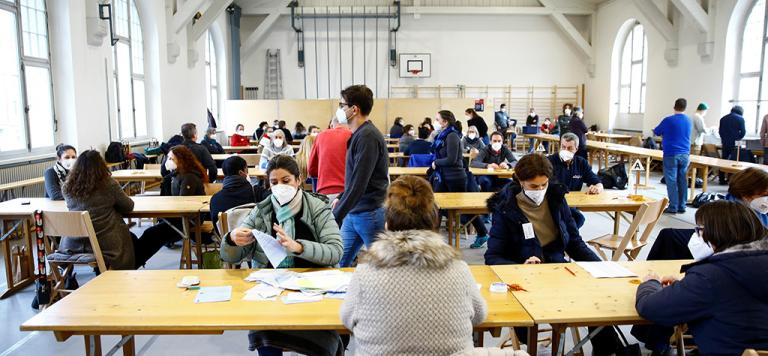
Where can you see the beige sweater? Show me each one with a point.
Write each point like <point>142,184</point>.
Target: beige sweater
<point>541,218</point>
<point>412,295</point>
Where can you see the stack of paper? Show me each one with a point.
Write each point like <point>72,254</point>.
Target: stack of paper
<point>606,269</point>
<point>314,282</point>
<point>214,294</point>
<point>262,292</point>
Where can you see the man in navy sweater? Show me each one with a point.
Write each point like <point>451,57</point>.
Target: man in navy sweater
<point>237,190</point>
<point>573,171</point>
<point>359,210</point>
<point>731,130</point>
<point>676,139</point>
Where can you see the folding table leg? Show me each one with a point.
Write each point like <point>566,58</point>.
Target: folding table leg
<point>92,345</point>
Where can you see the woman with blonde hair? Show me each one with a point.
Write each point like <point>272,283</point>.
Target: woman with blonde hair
<point>395,301</point>
<point>302,157</point>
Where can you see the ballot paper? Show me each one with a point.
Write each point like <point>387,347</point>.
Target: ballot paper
<point>308,282</point>
<point>606,269</point>
<point>262,292</point>
<point>298,297</point>
<point>699,249</point>
<point>272,248</point>
<point>214,294</point>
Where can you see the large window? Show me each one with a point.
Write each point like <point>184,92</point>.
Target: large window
<point>128,62</point>
<point>632,76</point>
<point>211,78</point>
<point>26,101</point>
<point>751,91</point>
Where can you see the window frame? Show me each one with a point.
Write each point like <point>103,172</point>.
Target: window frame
<point>642,62</point>
<point>760,74</point>
<point>127,39</point>
<point>211,64</point>
<point>14,7</point>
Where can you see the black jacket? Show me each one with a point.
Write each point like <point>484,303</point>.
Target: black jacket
<point>367,173</point>
<point>479,122</point>
<point>190,183</point>
<point>418,147</point>
<point>578,128</point>
<point>574,173</point>
<point>507,243</point>
<point>288,135</point>
<point>202,155</point>
<point>449,158</point>
<point>235,192</point>
<point>486,156</point>
<point>212,146</point>
<point>52,186</point>
<point>396,131</point>
<point>532,120</point>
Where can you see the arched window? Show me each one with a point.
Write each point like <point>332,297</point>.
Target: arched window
<point>751,89</point>
<point>27,123</point>
<point>128,62</point>
<point>634,54</point>
<point>211,77</point>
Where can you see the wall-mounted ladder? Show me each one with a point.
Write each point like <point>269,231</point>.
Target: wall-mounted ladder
<point>273,78</point>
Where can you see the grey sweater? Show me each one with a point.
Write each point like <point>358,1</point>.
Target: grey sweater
<point>106,206</point>
<point>404,302</point>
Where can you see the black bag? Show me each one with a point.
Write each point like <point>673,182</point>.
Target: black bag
<point>614,177</point>
<point>115,153</point>
<point>650,143</point>
<point>704,197</point>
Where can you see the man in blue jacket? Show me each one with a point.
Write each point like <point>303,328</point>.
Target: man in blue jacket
<point>574,171</point>
<point>675,131</point>
<point>532,224</point>
<point>731,130</point>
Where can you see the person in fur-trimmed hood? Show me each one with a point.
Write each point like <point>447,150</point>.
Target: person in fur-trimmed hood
<point>411,292</point>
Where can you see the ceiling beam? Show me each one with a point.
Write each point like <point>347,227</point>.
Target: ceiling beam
<point>209,17</point>
<point>250,44</point>
<point>441,10</point>
<point>185,14</point>
<point>667,30</point>
<point>574,34</point>
<point>693,10</point>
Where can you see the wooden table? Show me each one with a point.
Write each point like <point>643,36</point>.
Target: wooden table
<point>149,303</point>
<point>21,210</point>
<point>457,204</point>
<point>395,172</point>
<point>231,149</point>
<point>394,157</point>
<point>556,297</point>
<point>153,175</point>
<point>608,137</point>
<point>7,188</point>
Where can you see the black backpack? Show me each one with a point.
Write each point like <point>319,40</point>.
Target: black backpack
<point>115,153</point>
<point>704,197</point>
<point>614,177</point>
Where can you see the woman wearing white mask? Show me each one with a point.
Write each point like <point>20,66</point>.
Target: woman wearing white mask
<point>472,140</point>
<point>532,224</point>
<point>239,138</point>
<point>303,224</point>
<point>57,174</point>
<point>277,146</point>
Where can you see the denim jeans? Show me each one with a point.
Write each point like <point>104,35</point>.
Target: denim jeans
<point>675,170</point>
<point>359,228</point>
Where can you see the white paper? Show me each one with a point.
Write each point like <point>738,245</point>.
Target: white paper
<point>699,249</point>
<point>606,269</point>
<point>214,294</point>
<point>258,298</point>
<point>273,249</point>
<point>528,231</point>
<point>298,297</point>
<point>264,291</point>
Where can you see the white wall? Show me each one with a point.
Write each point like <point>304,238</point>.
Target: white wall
<point>472,50</point>
<point>176,93</point>
<point>692,78</point>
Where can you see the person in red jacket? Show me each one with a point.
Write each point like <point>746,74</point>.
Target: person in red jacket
<point>327,161</point>
<point>239,138</point>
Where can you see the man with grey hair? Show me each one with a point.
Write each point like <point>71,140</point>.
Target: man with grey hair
<point>327,159</point>
<point>573,171</point>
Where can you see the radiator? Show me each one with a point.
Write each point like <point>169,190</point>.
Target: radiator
<point>26,170</point>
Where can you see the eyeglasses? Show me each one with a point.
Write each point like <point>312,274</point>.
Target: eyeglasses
<point>699,230</point>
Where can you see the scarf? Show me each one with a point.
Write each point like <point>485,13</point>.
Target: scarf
<point>440,140</point>
<point>285,217</point>
<point>61,172</point>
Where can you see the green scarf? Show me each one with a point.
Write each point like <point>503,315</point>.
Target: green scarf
<point>285,218</point>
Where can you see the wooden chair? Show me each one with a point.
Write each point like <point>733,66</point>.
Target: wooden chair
<point>227,223</point>
<point>70,223</point>
<point>206,227</point>
<point>213,188</point>
<point>629,244</point>
<point>145,186</point>
<point>752,352</point>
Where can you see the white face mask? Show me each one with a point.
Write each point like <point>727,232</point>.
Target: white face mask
<point>496,146</point>
<point>468,117</point>
<point>341,116</point>
<point>760,205</point>
<point>264,141</point>
<point>580,114</point>
<point>566,155</point>
<point>68,163</point>
<point>472,136</point>
<point>314,134</point>
<point>568,112</point>
<point>412,133</point>
<point>699,248</point>
<point>170,165</point>
<point>533,114</point>
<point>503,109</point>
<point>278,142</point>
<point>537,196</point>
<point>284,193</point>
<point>212,137</point>
<point>241,132</point>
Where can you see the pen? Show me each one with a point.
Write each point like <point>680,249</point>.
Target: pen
<point>571,272</point>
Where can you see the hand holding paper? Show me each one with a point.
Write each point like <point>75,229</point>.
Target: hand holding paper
<point>286,241</point>
<point>271,247</point>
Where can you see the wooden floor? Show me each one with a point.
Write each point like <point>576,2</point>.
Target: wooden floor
<point>16,309</point>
